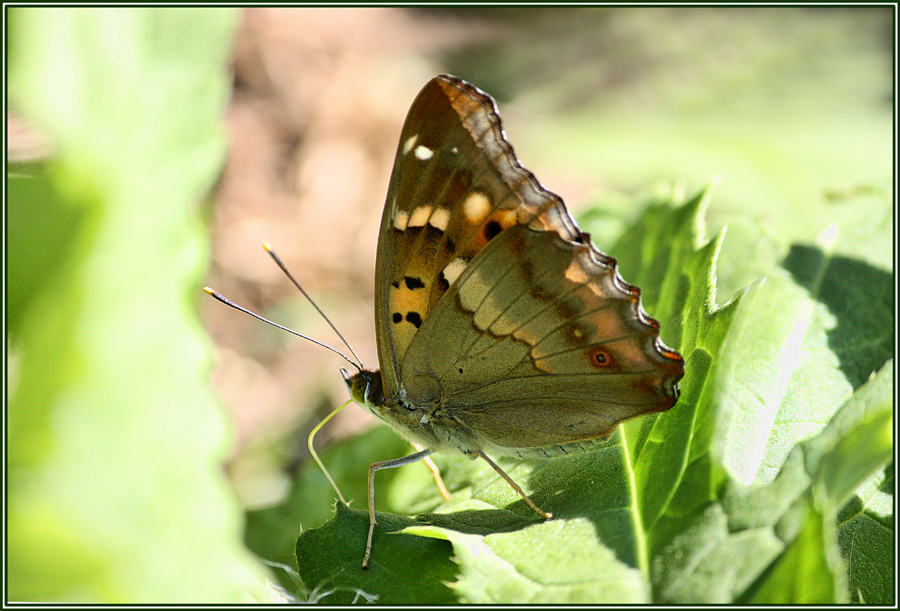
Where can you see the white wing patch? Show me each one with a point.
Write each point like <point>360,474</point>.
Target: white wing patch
<point>439,219</point>
<point>401,220</point>
<point>419,216</point>
<point>454,269</point>
<point>424,153</point>
<point>410,142</point>
<point>476,207</point>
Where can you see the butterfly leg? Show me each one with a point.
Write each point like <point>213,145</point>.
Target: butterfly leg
<point>387,464</point>
<point>544,514</point>
<point>435,472</point>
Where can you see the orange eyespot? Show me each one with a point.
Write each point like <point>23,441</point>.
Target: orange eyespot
<point>599,358</point>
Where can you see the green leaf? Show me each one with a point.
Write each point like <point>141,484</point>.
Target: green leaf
<point>115,485</point>
<point>746,547</point>
<point>866,538</point>
<point>272,531</point>
<point>802,574</point>
<point>858,441</point>
<point>484,504</point>
<point>664,508</point>
<point>858,297</point>
<point>561,561</point>
<point>833,464</point>
<point>406,567</point>
<point>777,339</point>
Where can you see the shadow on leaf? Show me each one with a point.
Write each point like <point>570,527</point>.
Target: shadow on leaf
<point>859,296</point>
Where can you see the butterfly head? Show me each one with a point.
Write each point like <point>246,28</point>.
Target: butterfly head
<point>365,387</point>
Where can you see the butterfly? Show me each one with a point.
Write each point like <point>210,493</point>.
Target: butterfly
<point>501,329</point>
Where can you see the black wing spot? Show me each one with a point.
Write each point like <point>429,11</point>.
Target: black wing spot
<point>442,283</point>
<point>491,229</point>
<point>413,283</point>
<point>397,318</point>
<point>415,318</point>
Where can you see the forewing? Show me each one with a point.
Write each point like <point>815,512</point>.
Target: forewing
<point>456,184</point>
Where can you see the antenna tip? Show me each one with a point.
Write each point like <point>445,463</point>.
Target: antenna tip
<point>267,246</point>
<point>208,290</point>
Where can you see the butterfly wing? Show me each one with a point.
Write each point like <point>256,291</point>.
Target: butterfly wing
<point>496,317</point>
<point>456,184</point>
<point>538,346</point>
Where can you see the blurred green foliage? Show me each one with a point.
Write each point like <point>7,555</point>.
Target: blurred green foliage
<point>116,492</point>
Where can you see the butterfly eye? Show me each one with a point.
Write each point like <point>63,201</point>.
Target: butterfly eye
<point>358,390</point>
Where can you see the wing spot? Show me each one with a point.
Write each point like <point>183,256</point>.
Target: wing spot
<point>476,207</point>
<point>401,221</point>
<point>413,282</point>
<point>454,269</point>
<point>419,217</point>
<point>542,293</point>
<point>410,142</point>
<point>414,318</point>
<point>424,153</point>
<point>442,283</point>
<point>397,317</point>
<point>527,269</point>
<point>579,334</point>
<point>439,219</point>
<point>576,274</point>
<point>491,229</point>
<point>599,358</point>
<point>565,310</point>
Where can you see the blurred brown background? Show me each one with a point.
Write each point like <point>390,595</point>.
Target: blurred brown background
<point>319,98</point>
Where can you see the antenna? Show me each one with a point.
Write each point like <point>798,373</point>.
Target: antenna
<point>308,298</point>
<point>280,263</point>
<point>228,302</point>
